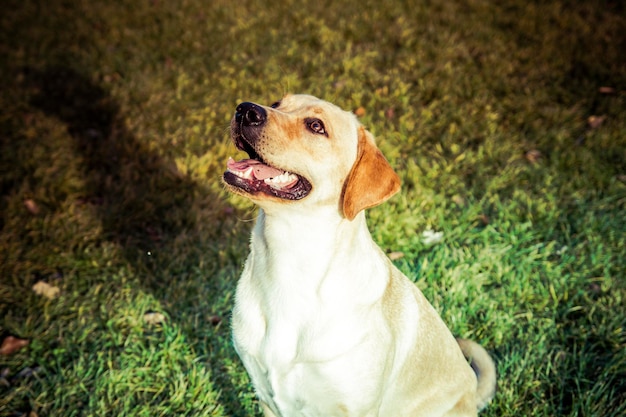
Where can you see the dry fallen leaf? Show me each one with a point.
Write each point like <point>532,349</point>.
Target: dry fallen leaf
<point>595,122</point>
<point>606,90</point>
<point>395,255</point>
<point>458,200</point>
<point>533,156</point>
<point>214,320</point>
<point>484,219</point>
<point>31,206</point>
<point>46,290</point>
<point>154,318</point>
<point>360,112</point>
<point>12,344</point>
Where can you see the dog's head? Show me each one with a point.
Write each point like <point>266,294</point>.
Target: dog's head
<point>303,150</point>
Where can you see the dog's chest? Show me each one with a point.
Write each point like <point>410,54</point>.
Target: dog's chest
<point>304,355</point>
<point>309,368</point>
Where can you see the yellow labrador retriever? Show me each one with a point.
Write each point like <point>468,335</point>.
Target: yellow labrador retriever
<point>323,322</point>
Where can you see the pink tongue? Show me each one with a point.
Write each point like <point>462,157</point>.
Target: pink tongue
<point>260,170</point>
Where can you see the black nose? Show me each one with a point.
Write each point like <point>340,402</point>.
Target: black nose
<point>250,114</point>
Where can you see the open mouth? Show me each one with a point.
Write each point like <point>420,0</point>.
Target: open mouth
<point>254,176</point>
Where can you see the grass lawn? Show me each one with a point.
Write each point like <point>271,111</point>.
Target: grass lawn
<point>506,121</point>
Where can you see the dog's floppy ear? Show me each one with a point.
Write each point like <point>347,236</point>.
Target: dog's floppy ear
<point>371,181</point>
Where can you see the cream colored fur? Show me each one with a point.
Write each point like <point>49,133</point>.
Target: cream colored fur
<point>324,323</point>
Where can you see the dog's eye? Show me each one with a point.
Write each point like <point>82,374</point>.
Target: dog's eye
<point>316,126</point>
<point>275,105</point>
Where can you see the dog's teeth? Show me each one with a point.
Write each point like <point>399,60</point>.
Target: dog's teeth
<point>281,180</point>
<point>247,174</point>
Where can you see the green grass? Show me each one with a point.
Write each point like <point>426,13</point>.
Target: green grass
<point>114,119</point>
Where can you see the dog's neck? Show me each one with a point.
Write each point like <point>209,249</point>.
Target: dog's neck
<point>294,245</point>
<point>326,230</point>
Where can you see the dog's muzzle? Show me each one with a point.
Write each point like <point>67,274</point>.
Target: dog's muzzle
<point>255,176</point>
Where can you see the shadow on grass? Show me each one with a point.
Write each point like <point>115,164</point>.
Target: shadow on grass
<point>141,197</point>
<point>143,202</point>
